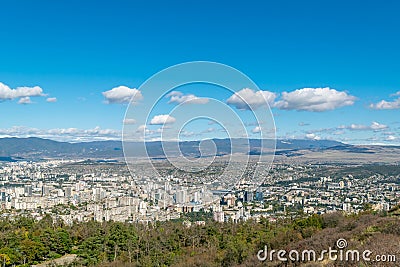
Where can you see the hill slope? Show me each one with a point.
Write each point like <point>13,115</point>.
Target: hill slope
<point>33,147</point>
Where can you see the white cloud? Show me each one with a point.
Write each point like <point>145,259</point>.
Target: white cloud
<point>8,93</point>
<point>51,99</point>
<point>314,99</point>
<point>23,93</point>
<point>256,129</point>
<point>375,126</point>
<point>162,119</point>
<point>144,130</point>
<point>391,138</point>
<point>141,129</point>
<point>383,104</point>
<point>396,94</point>
<point>354,127</point>
<point>129,121</point>
<point>95,132</point>
<point>313,136</point>
<point>60,131</point>
<point>387,104</point>
<point>123,95</point>
<point>179,97</point>
<point>25,100</point>
<point>63,134</point>
<point>250,99</point>
<point>187,133</point>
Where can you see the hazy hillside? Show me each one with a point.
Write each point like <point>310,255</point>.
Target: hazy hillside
<point>12,148</point>
<point>38,148</point>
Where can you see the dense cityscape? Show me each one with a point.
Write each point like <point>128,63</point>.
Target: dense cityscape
<point>84,190</point>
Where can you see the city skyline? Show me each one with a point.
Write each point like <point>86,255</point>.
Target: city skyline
<point>68,71</point>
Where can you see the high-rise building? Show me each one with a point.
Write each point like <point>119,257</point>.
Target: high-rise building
<point>180,196</point>
<point>347,207</point>
<point>248,196</point>
<point>28,190</point>
<point>167,186</point>
<point>46,190</point>
<point>68,191</point>
<point>3,196</point>
<point>218,214</point>
<point>196,197</point>
<point>259,196</point>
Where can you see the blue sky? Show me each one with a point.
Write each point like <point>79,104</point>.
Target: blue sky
<point>75,51</point>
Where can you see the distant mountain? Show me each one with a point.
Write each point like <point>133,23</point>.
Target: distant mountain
<point>306,144</point>
<point>12,149</point>
<point>36,148</point>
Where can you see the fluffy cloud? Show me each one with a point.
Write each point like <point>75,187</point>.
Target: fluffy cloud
<point>387,104</point>
<point>250,99</point>
<point>187,133</point>
<point>51,99</point>
<point>314,99</point>
<point>391,138</point>
<point>162,119</point>
<point>396,94</point>
<point>129,121</point>
<point>141,129</point>
<point>383,104</point>
<point>375,126</point>
<point>144,130</point>
<point>313,136</point>
<point>123,95</point>
<point>256,129</point>
<point>63,134</point>
<point>25,100</point>
<point>179,97</point>
<point>306,99</point>
<point>23,93</point>
<point>96,132</point>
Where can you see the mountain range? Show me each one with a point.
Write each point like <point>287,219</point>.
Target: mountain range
<point>33,148</point>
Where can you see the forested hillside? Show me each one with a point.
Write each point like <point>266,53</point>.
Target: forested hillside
<point>24,241</point>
